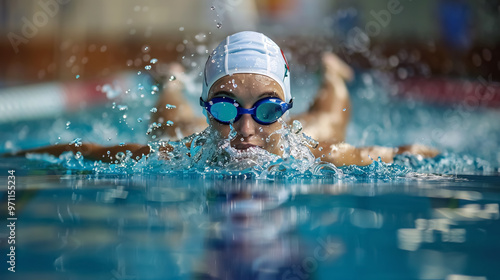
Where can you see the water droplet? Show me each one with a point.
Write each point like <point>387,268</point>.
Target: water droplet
<point>77,76</point>
<point>139,72</point>
<point>78,155</point>
<point>68,124</point>
<point>169,123</point>
<point>122,107</point>
<point>77,142</point>
<point>219,25</point>
<point>296,127</point>
<point>120,156</point>
<point>172,78</point>
<point>212,8</point>
<point>153,110</point>
<point>145,49</point>
<point>153,61</point>
<point>181,28</point>
<point>125,116</point>
<point>344,109</point>
<point>139,120</point>
<point>147,67</point>
<point>168,106</point>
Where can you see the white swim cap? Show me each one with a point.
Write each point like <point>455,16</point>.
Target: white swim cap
<point>247,52</point>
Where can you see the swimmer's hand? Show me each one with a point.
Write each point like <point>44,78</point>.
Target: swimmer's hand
<point>418,149</point>
<point>344,154</point>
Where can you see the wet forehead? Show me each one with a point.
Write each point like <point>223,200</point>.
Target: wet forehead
<point>246,87</point>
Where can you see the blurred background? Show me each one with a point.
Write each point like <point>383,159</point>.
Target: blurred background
<point>46,40</point>
<point>61,55</point>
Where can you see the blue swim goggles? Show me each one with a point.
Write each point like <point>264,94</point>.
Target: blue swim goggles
<point>265,111</point>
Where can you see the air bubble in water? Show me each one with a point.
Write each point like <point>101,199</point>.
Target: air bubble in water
<point>168,106</point>
<point>169,123</point>
<point>145,49</point>
<point>78,155</point>
<point>212,8</point>
<point>219,25</point>
<point>153,110</point>
<point>147,67</point>
<point>139,72</point>
<point>172,78</point>
<point>153,61</point>
<point>122,107</point>
<point>139,120</point>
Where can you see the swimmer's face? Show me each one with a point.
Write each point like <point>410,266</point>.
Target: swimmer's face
<point>247,89</point>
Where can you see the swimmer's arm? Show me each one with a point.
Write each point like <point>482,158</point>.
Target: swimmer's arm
<point>91,151</point>
<point>345,154</point>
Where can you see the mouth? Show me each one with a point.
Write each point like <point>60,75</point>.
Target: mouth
<point>245,146</point>
<point>246,151</point>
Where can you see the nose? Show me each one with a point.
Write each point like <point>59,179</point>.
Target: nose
<point>245,126</point>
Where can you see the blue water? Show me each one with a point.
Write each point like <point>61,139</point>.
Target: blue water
<point>414,219</point>
<point>185,226</point>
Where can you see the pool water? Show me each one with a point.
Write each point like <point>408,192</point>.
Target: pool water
<point>187,226</point>
<point>414,219</point>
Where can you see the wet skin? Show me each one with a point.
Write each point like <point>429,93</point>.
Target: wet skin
<point>249,89</point>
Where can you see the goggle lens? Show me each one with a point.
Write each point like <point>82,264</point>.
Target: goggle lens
<point>268,112</point>
<point>224,111</point>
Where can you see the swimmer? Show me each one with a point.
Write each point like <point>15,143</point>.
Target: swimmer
<point>246,92</point>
